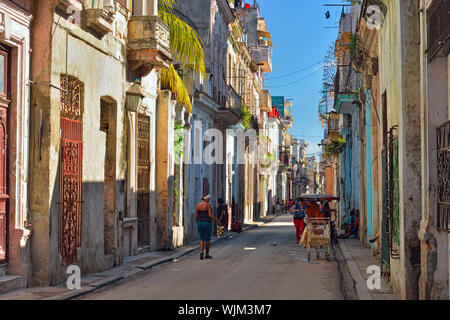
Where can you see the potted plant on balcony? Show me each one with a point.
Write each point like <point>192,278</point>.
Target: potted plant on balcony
<point>245,117</point>
<point>335,148</point>
<point>268,160</point>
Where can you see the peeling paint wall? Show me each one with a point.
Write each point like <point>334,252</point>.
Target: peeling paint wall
<point>400,78</point>
<point>88,56</point>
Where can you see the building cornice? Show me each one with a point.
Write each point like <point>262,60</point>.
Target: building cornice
<point>227,13</point>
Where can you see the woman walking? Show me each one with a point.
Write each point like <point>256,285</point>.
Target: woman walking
<point>203,217</point>
<point>299,215</point>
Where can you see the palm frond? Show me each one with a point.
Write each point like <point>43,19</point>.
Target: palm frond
<point>245,117</point>
<point>171,80</point>
<point>166,5</point>
<point>185,43</point>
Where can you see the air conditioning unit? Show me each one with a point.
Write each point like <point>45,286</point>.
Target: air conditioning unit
<point>108,5</point>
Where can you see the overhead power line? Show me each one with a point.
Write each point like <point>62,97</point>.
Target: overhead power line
<point>297,81</point>
<point>295,72</point>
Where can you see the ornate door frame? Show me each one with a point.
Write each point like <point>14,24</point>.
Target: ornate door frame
<point>4,152</point>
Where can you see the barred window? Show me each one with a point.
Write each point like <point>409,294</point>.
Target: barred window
<point>438,27</point>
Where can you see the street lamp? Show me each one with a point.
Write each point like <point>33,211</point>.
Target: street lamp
<point>135,96</point>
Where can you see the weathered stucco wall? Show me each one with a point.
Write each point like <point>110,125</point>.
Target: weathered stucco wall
<point>400,77</point>
<point>437,95</point>
<point>87,58</point>
<point>390,78</point>
<point>39,198</point>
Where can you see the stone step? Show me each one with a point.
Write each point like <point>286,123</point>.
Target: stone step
<point>3,268</point>
<point>10,283</point>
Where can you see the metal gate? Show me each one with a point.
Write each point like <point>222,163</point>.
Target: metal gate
<point>443,172</point>
<point>391,196</point>
<point>143,180</point>
<point>71,160</point>
<point>385,251</point>
<point>4,196</point>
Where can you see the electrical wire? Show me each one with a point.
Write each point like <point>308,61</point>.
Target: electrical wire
<point>297,81</point>
<point>295,72</point>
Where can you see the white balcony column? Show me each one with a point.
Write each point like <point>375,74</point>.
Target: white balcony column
<point>151,7</point>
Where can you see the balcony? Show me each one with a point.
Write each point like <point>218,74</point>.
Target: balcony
<point>287,121</point>
<point>265,59</point>
<point>265,101</point>
<point>149,44</point>
<point>231,114</point>
<point>343,44</point>
<point>67,6</point>
<point>100,21</point>
<point>333,128</point>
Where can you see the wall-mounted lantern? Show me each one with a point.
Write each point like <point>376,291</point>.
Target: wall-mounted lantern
<point>135,96</point>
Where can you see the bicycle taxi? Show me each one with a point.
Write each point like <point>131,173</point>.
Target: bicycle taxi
<point>317,234</point>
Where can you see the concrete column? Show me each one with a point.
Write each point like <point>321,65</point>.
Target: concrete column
<point>151,7</point>
<point>409,148</point>
<point>164,169</point>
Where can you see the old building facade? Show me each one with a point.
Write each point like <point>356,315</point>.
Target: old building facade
<point>15,228</point>
<point>99,157</point>
<point>401,96</point>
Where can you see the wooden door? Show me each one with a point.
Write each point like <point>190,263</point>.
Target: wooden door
<point>4,196</point>
<point>143,180</point>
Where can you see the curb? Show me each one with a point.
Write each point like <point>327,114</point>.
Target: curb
<point>143,267</point>
<point>347,283</point>
<point>359,283</point>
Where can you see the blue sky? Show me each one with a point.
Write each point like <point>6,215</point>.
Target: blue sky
<point>300,39</point>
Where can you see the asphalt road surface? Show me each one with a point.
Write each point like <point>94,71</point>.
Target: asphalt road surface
<point>244,267</point>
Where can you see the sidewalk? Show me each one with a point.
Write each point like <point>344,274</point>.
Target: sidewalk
<point>358,258</point>
<point>131,266</point>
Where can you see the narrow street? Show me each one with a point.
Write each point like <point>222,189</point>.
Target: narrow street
<point>134,133</point>
<point>244,267</point>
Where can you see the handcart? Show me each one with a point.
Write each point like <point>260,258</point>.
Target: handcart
<point>320,237</point>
